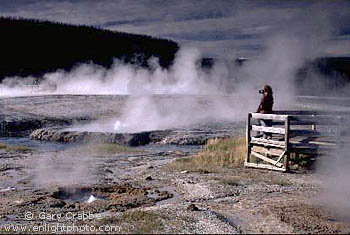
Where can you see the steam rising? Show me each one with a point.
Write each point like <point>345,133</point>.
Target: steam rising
<point>64,168</point>
<point>183,78</point>
<point>226,92</point>
<point>202,95</point>
<point>335,195</point>
<point>334,170</point>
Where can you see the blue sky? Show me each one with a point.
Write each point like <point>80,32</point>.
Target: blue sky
<point>220,28</point>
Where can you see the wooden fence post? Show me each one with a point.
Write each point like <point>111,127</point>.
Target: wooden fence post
<point>248,137</point>
<point>286,142</point>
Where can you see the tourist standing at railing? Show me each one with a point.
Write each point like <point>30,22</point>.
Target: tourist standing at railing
<point>265,107</point>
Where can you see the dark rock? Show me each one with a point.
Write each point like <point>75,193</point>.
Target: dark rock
<point>163,195</point>
<point>149,178</point>
<point>72,193</point>
<point>203,171</point>
<point>109,171</point>
<point>193,207</point>
<point>139,139</point>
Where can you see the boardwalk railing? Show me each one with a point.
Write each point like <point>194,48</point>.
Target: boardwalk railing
<point>42,87</point>
<point>306,132</point>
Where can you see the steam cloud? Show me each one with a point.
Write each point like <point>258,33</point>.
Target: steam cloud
<point>224,87</point>
<point>64,168</point>
<point>335,194</point>
<point>183,78</point>
<point>334,170</point>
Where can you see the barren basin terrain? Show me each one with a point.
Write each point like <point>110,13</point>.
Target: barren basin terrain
<point>60,174</point>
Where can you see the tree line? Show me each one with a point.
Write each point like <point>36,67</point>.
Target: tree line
<point>34,47</point>
<point>327,74</point>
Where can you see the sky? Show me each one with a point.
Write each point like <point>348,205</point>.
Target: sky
<point>219,28</point>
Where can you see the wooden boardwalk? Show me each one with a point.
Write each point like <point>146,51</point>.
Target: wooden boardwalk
<point>310,133</point>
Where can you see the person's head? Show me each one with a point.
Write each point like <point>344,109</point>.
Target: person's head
<point>268,90</point>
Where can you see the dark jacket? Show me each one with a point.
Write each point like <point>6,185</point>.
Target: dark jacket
<point>266,104</point>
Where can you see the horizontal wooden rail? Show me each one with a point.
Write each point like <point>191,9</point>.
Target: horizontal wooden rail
<point>305,112</point>
<point>268,129</point>
<point>311,133</point>
<point>272,151</point>
<point>315,120</point>
<point>267,142</point>
<point>269,116</point>
<point>264,166</point>
<point>299,119</point>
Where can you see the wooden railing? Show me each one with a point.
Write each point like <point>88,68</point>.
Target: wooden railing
<point>308,132</point>
<point>40,87</point>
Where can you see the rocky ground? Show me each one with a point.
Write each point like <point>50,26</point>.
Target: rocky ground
<point>133,189</point>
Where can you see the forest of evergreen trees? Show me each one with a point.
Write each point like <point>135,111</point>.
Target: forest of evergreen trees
<point>33,47</point>
<point>332,72</point>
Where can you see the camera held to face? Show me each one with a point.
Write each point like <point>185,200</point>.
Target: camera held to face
<point>261,91</point>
